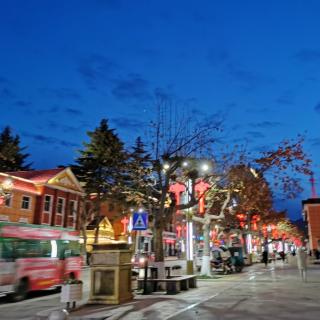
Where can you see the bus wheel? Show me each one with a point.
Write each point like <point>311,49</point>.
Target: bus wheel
<point>21,291</point>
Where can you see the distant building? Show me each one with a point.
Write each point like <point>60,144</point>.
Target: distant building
<point>48,197</point>
<point>311,213</point>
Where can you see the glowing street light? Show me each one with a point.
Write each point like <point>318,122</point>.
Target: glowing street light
<point>166,166</point>
<point>205,167</point>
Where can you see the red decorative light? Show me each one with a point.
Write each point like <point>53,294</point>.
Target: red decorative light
<point>177,189</point>
<point>179,228</point>
<point>125,222</point>
<point>241,216</point>
<point>201,187</point>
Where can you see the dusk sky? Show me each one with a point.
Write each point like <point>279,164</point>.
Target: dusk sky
<point>67,64</point>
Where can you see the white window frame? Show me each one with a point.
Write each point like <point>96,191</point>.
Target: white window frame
<point>73,214</point>
<point>61,214</point>
<point>29,203</point>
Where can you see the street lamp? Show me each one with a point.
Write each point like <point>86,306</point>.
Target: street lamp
<point>204,167</point>
<point>189,235</point>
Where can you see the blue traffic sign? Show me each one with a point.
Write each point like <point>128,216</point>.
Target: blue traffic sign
<point>140,221</point>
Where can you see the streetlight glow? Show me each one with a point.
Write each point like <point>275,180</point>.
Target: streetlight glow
<point>204,167</point>
<point>7,184</point>
<point>166,166</point>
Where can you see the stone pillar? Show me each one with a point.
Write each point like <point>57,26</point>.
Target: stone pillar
<point>110,274</point>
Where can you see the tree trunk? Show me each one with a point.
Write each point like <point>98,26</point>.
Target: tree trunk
<point>84,235</point>
<point>158,248</point>
<point>206,266</point>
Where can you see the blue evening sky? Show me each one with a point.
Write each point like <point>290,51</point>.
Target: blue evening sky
<point>66,64</point>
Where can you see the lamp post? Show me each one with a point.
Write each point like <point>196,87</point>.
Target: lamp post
<point>204,168</point>
<point>189,239</point>
<point>144,263</point>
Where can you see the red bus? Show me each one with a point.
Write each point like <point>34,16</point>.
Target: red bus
<point>35,257</point>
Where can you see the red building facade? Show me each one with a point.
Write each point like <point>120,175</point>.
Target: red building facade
<point>311,212</point>
<point>48,197</point>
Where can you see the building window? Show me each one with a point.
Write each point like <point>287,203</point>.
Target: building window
<point>47,203</point>
<point>60,211</point>
<point>60,206</point>
<point>8,201</point>
<point>25,202</point>
<point>111,207</point>
<point>72,213</point>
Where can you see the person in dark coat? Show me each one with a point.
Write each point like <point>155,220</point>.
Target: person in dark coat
<point>265,257</point>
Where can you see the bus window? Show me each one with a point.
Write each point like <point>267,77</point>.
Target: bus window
<point>68,248</point>
<point>27,249</point>
<point>45,248</point>
<point>6,250</point>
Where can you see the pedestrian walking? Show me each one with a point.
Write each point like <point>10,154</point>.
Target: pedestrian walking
<point>265,257</point>
<point>283,256</point>
<point>302,263</point>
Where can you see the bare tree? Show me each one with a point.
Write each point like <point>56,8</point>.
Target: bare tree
<point>175,137</point>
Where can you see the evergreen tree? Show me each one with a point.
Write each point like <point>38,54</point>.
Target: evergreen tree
<point>12,157</point>
<point>138,178</point>
<point>101,166</point>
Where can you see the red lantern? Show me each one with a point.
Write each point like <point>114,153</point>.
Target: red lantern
<point>179,228</point>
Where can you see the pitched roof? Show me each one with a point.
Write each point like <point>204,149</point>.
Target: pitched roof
<point>27,186</point>
<point>37,176</point>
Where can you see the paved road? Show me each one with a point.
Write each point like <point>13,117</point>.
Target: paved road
<point>275,292</point>
<point>258,293</point>
<point>36,302</point>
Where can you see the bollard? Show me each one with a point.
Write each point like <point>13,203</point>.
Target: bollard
<point>58,315</point>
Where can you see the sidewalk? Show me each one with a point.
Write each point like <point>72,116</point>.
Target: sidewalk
<point>256,284</point>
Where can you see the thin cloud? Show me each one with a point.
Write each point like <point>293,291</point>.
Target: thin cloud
<point>55,125</point>
<point>246,77</point>
<point>257,110</point>
<point>308,55</point>
<point>6,93</point>
<point>128,123</point>
<point>39,138</point>
<point>315,142</point>
<point>73,112</point>
<point>285,101</point>
<point>255,134</point>
<point>4,80</point>
<point>242,76</point>
<point>215,57</point>
<point>95,69</point>
<point>165,94</point>
<point>265,124</point>
<point>61,93</point>
<point>132,87</point>
<point>22,103</point>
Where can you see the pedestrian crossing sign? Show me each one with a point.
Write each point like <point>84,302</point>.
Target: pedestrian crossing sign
<point>140,221</point>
